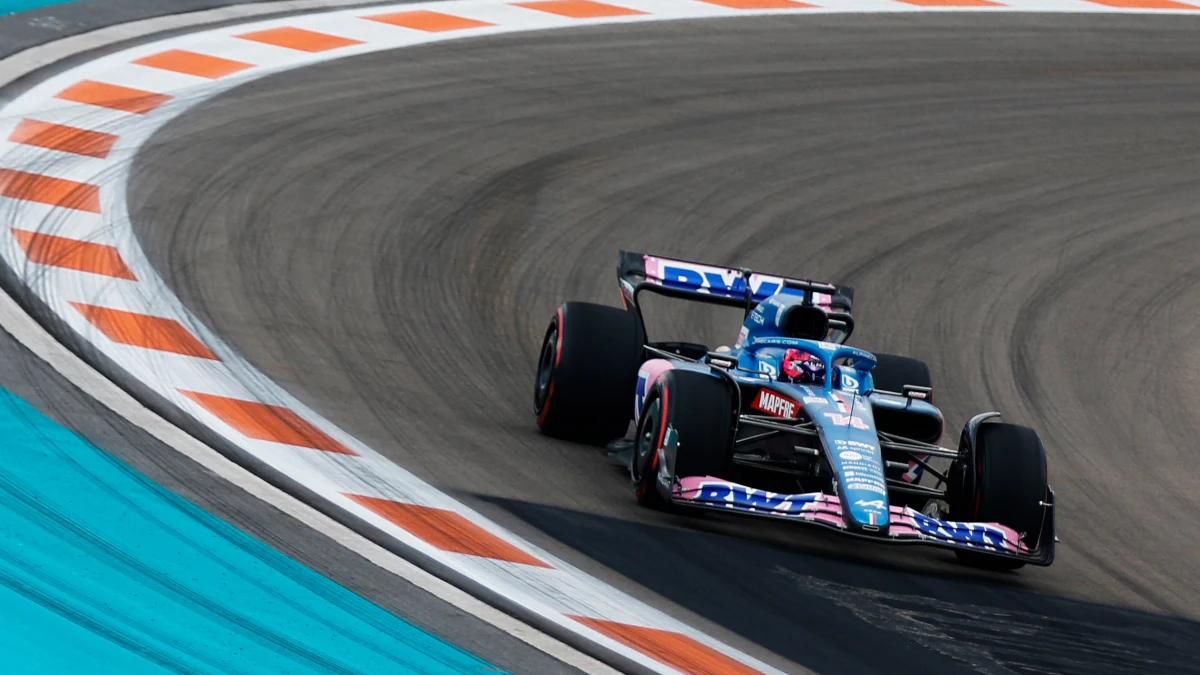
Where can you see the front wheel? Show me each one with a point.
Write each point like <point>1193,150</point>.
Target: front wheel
<point>686,422</point>
<point>1009,488</point>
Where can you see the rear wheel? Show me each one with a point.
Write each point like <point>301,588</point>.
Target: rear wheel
<point>694,412</point>
<point>587,372</point>
<point>892,372</point>
<point>1010,486</point>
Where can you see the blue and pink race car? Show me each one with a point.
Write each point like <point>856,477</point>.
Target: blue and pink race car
<point>790,422</point>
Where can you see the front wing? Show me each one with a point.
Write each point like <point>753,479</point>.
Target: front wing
<point>905,524</point>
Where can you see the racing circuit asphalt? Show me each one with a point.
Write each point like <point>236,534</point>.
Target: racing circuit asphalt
<point>1015,198</point>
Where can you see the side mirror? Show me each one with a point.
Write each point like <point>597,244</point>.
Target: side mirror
<point>721,360</point>
<point>919,393</point>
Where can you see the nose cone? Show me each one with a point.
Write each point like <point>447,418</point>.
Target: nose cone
<point>848,429</point>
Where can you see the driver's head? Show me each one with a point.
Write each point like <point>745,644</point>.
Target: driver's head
<point>802,367</point>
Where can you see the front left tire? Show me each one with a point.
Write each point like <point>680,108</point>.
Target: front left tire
<point>1010,485</point>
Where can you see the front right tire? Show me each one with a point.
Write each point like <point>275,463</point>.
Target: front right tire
<point>698,409</point>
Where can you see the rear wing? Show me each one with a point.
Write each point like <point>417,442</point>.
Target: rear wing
<point>701,282</point>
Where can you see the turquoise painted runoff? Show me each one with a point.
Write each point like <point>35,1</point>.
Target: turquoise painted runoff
<point>14,6</point>
<point>103,571</point>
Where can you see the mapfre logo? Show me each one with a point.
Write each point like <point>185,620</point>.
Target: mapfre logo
<point>776,404</point>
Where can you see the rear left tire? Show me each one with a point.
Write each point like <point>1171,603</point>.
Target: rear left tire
<point>892,372</point>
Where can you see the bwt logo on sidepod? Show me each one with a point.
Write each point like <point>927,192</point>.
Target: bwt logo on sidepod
<point>717,281</point>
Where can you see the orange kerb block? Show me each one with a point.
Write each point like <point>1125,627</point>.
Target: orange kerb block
<point>85,256</point>
<point>674,649</point>
<point>761,4</point>
<point>35,187</point>
<point>1145,4</point>
<point>63,138</point>
<point>267,422</point>
<point>134,101</point>
<point>447,530</point>
<point>433,22</point>
<point>191,63</point>
<point>579,9</point>
<point>299,39</point>
<point>145,331</point>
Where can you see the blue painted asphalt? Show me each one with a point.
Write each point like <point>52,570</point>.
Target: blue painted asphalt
<point>103,571</point>
<point>14,6</point>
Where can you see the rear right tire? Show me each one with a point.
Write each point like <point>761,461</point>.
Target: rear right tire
<point>587,372</point>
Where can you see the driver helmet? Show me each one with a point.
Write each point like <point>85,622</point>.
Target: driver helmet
<point>801,367</point>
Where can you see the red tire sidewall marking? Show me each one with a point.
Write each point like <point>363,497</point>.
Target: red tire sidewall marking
<point>662,429</point>
<point>557,358</point>
<point>558,345</point>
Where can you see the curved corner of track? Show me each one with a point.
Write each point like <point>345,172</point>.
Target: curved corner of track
<point>365,251</point>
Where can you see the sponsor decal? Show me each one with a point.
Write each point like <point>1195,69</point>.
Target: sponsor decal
<point>768,368</point>
<point>717,280</point>
<point>815,401</point>
<point>627,291</point>
<point>849,382</point>
<point>866,487</point>
<point>751,499</point>
<point>742,334</point>
<point>850,455</point>
<point>639,397</point>
<point>868,448</point>
<point>775,341</point>
<point>871,504</point>
<point>776,404</point>
<point>972,533</point>
<point>848,421</point>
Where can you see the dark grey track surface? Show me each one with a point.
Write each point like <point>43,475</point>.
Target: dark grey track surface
<point>1015,198</point>
<point>29,378</point>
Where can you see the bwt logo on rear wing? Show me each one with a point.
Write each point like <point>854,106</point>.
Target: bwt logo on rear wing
<point>709,279</point>
<point>711,282</point>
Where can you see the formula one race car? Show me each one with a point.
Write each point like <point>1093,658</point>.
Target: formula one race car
<point>789,422</point>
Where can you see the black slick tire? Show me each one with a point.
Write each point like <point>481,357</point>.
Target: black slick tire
<point>699,410</point>
<point>892,372</point>
<point>587,373</point>
<point>1011,485</point>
